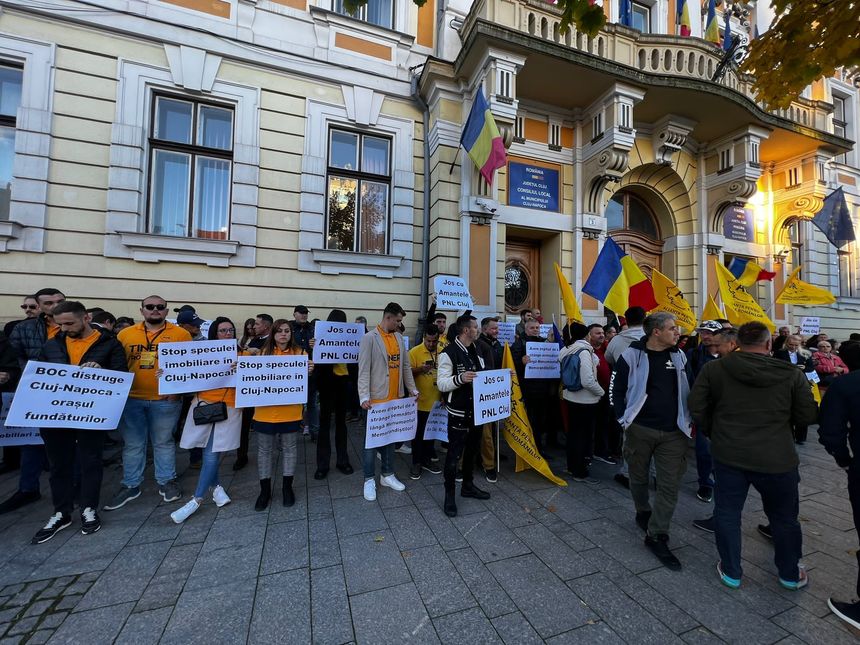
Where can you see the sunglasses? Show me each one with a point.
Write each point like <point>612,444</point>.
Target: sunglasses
<point>29,306</point>
<point>151,307</point>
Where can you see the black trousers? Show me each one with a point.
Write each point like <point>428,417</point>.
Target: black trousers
<point>607,432</point>
<point>334,397</point>
<point>854,497</point>
<point>581,419</point>
<point>536,408</point>
<point>245,435</point>
<point>64,447</point>
<point>800,432</point>
<point>463,441</point>
<point>421,450</point>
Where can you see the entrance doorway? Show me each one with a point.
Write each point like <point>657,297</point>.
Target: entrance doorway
<point>633,226</point>
<point>522,275</point>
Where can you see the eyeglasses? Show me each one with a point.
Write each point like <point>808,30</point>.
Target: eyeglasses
<point>152,307</point>
<point>229,332</point>
<point>29,306</point>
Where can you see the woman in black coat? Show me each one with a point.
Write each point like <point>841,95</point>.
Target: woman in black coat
<point>333,388</point>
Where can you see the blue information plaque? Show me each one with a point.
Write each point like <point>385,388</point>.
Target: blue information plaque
<point>533,186</point>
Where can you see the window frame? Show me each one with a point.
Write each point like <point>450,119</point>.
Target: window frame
<point>847,280</point>
<point>644,9</point>
<point>626,196</point>
<point>361,14</point>
<point>7,121</point>
<point>359,175</point>
<point>194,151</point>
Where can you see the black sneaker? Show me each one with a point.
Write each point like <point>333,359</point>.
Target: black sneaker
<point>432,468</point>
<point>90,522</point>
<point>765,530</point>
<point>415,471</point>
<point>470,490</point>
<point>56,524</point>
<point>660,547</point>
<point>459,476</point>
<point>170,491</point>
<point>19,499</point>
<point>491,475</point>
<point>622,479</point>
<point>123,496</point>
<point>847,611</point>
<point>605,460</point>
<point>708,524</point>
<point>705,494</point>
<point>642,520</point>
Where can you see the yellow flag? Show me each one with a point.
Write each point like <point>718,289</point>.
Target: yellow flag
<point>670,300</point>
<point>712,312</point>
<point>741,307</point>
<point>798,292</point>
<point>816,393</point>
<point>571,306</point>
<point>517,430</point>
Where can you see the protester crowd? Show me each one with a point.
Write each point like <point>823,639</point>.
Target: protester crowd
<point>635,394</point>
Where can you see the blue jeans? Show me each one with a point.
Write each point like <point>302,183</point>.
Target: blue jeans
<point>33,461</point>
<point>387,453</point>
<point>780,499</point>
<point>209,470</point>
<point>704,463</point>
<point>155,421</point>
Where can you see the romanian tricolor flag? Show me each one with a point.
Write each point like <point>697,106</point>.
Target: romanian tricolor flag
<point>748,272</point>
<point>618,282</point>
<point>684,17</point>
<point>482,140</point>
<point>712,29</point>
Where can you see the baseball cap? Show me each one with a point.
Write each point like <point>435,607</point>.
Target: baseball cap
<point>709,325</point>
<point>300,309</point>
<point>185,308</point>
<point>188,317</point>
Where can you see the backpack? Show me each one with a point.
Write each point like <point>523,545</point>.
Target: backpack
<point>570,371</point>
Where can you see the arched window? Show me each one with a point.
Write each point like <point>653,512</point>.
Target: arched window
<point>625,211</point>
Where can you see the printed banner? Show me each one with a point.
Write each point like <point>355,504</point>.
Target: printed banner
<point>195,366</point>
<point>395,420</point>
<point>507,332</point>
<point>543,361</point>
<point>271,380</point>
<point>452,293</point>
<point>52,395</point>
<point>437,423</point>
<point>337,342</point>
<point>12,436</point>
<point>545,329</point>
<point>810,325</point>
<point>492,396</point>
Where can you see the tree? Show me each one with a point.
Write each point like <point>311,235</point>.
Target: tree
<point>807,41</point>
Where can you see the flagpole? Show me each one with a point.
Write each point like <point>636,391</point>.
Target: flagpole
<point>454,161</point>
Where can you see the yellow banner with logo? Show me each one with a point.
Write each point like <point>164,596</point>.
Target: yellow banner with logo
<point>518,431</point>
<point>670,299</point>
<point>712,312</point>
<point>740,306</point>
<point>798,292</point>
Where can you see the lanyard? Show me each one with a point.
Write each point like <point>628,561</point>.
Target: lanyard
<point>153,339</point>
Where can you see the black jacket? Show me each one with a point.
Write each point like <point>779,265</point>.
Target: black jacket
<point>107,351</point>
<point>697,358</point>
<point>302,335</point>
<point>28,337</point>
<point>529,386</point>
<point>496,351</point>
<point>839,420</point>
<point>807,366</point>
<point>8,363</point>
<point>453,361</point>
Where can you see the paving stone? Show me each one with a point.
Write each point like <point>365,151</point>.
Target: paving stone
<point>162,591</point>
<point>68,602</point>
<point>89,576</point>
<point>127,576</point>
<point>10,613</point>
<point>484,587</point>
<point>569,507</point>
<point>489,537</point>
<point>332,623</point>
<point>701,636</point>
<point>441,587</point>
<point>391,615</point>
<point>811,628</point>
<point>286,547</point>
<point>372,561</point>
<point>626,618</point>
<point>543,599</point>
<point>23,626</point>
<point>318,503</point>
<point>11,590</point>
<point>558,556</point>
<point>446,533</point>
<point>270,622</point>
<point>201,615</point>
<point>38,608</point>
<point>144,627</point>
<point>101,625</point>
<point>77,588</point>
<point>657,605</point>
<point>324,545</point>
<point>231,552</point>
<point>409,528</point>
<point>469,626</point>
<point>623,545</point>
<point>514,629</point>
<point>507,510</point>
<point>52,621</point>
<point>40,637</point>
<point>354,515</point>
<point>597,632</point>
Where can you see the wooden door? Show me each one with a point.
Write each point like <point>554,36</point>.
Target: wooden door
<point>522,275</point>
<point>647,253</point>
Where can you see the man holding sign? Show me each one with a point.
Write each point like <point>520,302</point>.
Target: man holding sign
<point>459,364</point>
<point>77,343</point>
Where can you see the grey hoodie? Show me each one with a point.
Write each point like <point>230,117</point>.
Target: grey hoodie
<point>621,342</point>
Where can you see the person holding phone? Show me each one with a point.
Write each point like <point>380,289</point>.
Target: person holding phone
<point>424,359</point>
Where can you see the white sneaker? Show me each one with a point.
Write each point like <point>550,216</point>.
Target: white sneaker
<point>392,482</point>
<point>370,490</point>
<point>404,449</point>
<point>186,511</point>
<point>219,496</point>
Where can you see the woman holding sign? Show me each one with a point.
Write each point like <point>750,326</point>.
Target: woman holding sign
<point>214,437</point>
<point>278,423</point>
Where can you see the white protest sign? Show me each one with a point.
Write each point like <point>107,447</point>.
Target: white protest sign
<point>337,342</point>
<point>204,328</point>
<point>52,395</point>
<point>437,423</point>
<point>195,366</point>
<point>545,329</point>
<point>492,396</point>
<point>395,420</point>
<point>514,318</point>
<point>12,436</point>
<point>543,361</point>
<point>406,341</point>
<point>271,380</point>
<point>452,293</point>
<point>507,332</point>
<point>810,325</point>
<point>813,377</point>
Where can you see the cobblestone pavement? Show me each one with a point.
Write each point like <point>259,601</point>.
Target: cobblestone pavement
<point>535,563</point>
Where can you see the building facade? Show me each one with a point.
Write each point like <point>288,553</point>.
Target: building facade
<point>248,156</point>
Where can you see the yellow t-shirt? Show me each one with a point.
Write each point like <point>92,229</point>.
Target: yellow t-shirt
<point>428,394</point>
<point>443,341</point>
<point>392,348</point>
<point>141,350</point>
<point>77,347</point>
<point>281,413</point>
<point>339,369</point>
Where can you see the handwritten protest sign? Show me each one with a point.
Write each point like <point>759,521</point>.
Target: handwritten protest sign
<point>543,361</point>
<point>394,420</point>
<point>337,342</point>
<point>12,436</point>
<point>437,423</point>
<point>452,293</point>
<point>271,380</point>
<point>51,395</point>
<point>507,332</point>
<point>492,396</point>
<point>195,366</point>
<point>810,325</point>
<point>545,329</point>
